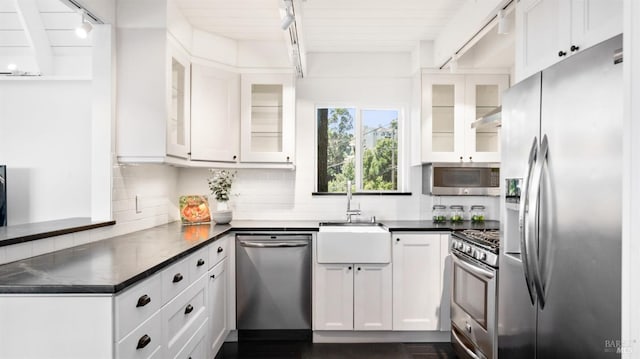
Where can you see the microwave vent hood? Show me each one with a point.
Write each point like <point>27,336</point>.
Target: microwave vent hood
<point>492,119</point>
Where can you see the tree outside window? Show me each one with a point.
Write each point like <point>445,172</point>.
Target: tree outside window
<point>373,164</point>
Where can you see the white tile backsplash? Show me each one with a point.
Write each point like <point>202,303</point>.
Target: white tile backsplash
<point>156,186</point>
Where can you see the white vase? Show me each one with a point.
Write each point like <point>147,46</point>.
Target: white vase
<point>222,206</point>
<point>223,213</point>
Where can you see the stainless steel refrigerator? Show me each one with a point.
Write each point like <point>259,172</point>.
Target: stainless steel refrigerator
<point>561,207</point>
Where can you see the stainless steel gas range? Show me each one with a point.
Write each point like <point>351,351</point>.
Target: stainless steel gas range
<point>474,293</point>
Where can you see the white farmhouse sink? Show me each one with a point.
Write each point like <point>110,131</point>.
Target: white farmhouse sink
<point>353,243</point>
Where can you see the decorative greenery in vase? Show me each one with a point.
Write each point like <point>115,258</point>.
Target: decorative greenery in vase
<point>220,184</point>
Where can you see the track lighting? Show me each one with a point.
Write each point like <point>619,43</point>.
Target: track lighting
<point>503,23</point>
<point>84,29</point>
<point>453,63</point>
<point>287,20</point>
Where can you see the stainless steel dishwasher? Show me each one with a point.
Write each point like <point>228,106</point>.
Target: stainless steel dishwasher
<point>273,286</point>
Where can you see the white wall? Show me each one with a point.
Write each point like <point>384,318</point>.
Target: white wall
<point>45,141</point>
<point>156,185</point>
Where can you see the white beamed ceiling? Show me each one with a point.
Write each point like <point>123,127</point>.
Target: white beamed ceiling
<point>59,22</point>
<point>235,19</point>
<point>328,25</point>
<point>373,25</point>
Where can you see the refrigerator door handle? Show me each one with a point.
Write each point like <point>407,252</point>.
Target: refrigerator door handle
<point>524,208</point>
<point>533,222</point>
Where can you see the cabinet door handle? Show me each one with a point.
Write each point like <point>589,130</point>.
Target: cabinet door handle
<point>220,249</point>
<point>213,276</point>
<point>143,342</point>
<point>397,239</point>
<point>188,309</point>
<point>288,159</point>
<point>200,262</point>
<point>144,300</point>
<point>574,48</point>
<point>562,53</point>
<point>359,268</point>
<point>460,158</point>
<point>177,278</point>
<point>349,267</point>
<point>470,158</point>
<point>235,157</point>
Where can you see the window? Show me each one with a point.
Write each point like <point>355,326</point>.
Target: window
<point>360,145</point>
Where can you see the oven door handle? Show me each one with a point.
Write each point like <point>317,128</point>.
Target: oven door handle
<point>467,350</point>
<point>472,267</point>
<point>522,221</point>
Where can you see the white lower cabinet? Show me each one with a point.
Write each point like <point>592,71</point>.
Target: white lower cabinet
<point>334,297</point>
<point>181,312</point>
<point>372,297</point>
<point>353,296</point>
<point>218,288</point>
<point>417,283</point>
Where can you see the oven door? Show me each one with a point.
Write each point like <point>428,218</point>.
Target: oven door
<point>473,308</point>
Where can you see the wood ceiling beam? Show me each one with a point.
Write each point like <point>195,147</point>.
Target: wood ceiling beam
<point>29,15</point>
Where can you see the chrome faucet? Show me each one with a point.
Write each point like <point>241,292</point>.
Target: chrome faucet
<point>350,212</point>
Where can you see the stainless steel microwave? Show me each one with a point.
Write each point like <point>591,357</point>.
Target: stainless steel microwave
<point>461,179</point>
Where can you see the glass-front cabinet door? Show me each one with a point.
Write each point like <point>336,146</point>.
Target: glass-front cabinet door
<point>178,121</point>
<point>484,95</point>
<point>442,117</point>
<point>267,118</point>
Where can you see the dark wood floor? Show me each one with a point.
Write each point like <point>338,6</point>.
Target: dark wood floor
<point>299,350</point>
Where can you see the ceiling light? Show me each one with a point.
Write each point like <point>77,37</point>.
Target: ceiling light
<point>287,20</point>
<point>503,23</point>
<point>84,29</point>
<point>453,63</point>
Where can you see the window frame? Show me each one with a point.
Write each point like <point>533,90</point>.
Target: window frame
<point>402,166</point>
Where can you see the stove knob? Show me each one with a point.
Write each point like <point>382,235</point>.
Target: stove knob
<point>469,250</point>
<point>481,256</point>
<point>453,244</point>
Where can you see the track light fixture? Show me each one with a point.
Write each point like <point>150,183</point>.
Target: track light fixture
<point>287,18</point>
<point>453,63</point>
<point>84,29</point>
<point>503,23</point>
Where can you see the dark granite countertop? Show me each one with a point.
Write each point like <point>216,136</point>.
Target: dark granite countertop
<point>111,265</point>
<point>31,231</point>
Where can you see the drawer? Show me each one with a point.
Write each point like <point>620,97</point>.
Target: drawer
<point>182,316</point>
<point>144,342</point>
<point>196,346</point>
<point>218,250</point>
<point>175,279</point>
<point>198,263</point>
<point>136,304</point>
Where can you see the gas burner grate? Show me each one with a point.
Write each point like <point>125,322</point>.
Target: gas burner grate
<point>489,237</point>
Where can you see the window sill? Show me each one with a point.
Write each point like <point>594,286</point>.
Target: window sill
<point>361,193</point>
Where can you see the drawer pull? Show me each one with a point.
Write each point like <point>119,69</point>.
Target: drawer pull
<point>200,262</point>
<point>213,276</point>
<point>144,300</point>
<point>220,249</point>
<point>188,309</point>
<point>143,342</point>
<point>177,278</point>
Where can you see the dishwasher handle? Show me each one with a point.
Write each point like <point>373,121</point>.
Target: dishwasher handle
<point>273,244</point>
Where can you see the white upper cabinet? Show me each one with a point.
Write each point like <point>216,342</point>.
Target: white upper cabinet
<point>548,31</point>
<point>450,103</point>
<point>267,118</point>
<point>178,99</point>
<point>215,114</point>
